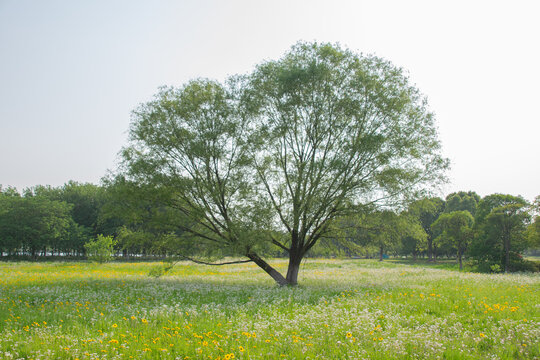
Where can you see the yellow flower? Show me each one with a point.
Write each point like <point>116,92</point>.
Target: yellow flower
<point>240,348</point>
<point>349,335</point>
<point>114,325</point>
<point>144,321</point>
<point>482,335</point>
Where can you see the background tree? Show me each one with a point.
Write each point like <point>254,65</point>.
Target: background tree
<point>533,231</point>
<point>455,228</point>
<point>9,241</point>
<point>301,141</point>
<point>33,223</point>
<point>141,216</point>
<point>86,200</point>
<point>461,201</point>
<point>426,211</point>
<point>500,222</point>
<point>386,230</point>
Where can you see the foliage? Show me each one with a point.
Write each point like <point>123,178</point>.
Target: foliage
<point>101,249</point>
<point>461,201</point>
<point>533,231</point>
<point>455,229</point>
<point>34,224</point>
<point>500,225</point>
<point>426,211</point>
<point>86,201</point>
<point>287,149</point>
<point>143,218</point>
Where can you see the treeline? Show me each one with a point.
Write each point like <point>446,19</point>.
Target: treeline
<point>47,221</point>
<point>491,232</point>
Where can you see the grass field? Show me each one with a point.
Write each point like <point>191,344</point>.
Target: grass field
<point>343,309</point>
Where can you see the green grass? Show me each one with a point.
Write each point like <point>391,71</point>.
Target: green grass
<point>343,309</point>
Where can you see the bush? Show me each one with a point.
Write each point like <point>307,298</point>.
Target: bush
<point>101,249</point>
<point>524,266</point>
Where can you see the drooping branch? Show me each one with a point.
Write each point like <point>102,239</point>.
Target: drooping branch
<point>215,264</point>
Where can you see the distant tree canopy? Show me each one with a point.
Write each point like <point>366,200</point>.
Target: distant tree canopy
<point>460,201</point>
<point>501,223</point>
<point>40,223</point>
<point>426,211</point>
<point>455,228</point>
<point>272,158</point>
<point>35,224</point>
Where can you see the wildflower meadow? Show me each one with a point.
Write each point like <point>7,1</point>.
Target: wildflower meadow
<point>342,309</point>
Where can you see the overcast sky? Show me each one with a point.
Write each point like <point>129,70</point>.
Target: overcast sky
<point>72,71</point>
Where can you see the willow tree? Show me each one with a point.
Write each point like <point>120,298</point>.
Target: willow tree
<point>274,158</point>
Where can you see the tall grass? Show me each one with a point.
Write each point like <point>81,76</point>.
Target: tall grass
<point>342,310</point>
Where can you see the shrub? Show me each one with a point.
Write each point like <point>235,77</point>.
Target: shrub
<point>100,250</point>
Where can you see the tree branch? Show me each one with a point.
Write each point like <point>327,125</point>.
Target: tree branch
<point>215,264</point>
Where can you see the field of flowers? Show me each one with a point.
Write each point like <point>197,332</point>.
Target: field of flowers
<point>343,309</point>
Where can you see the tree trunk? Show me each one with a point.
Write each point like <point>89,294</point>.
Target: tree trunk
<point>507,254</point>
<point>460,262</point>
<point>380,253</point>
<point>294,267</point>
<point>430,249</point>
<point>268,269</point>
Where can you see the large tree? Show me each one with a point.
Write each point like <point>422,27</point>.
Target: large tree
<point>274,157</point>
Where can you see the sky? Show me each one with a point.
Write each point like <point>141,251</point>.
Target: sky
<point>71,72</point>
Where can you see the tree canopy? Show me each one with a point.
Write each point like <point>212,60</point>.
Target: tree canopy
<point>271,158</point>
